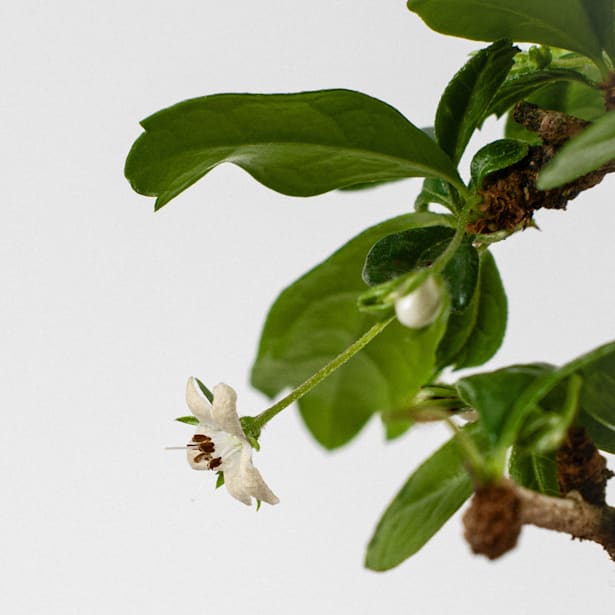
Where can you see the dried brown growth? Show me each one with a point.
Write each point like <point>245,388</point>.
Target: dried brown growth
<point>608,89</point>
<point>580,467</point>
<point>493,520</point>
<point>510,196</point>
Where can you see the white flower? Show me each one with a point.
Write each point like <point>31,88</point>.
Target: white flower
<point>220,444</point>
<point>420,307</point>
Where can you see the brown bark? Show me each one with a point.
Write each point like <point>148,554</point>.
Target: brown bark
<point>497,512</point>
<point>510,197</point>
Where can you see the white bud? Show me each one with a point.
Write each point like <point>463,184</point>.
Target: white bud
<point>420,307</point>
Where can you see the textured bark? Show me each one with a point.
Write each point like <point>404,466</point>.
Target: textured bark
<point>510,197</point>
<point>497,513</point>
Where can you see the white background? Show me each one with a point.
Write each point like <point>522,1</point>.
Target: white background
<point>106,308</point>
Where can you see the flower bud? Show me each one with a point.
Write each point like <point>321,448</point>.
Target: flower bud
<point>420,307</point>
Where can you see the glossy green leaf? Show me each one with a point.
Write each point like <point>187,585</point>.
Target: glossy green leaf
<point>316,318</point>
<point>520,86</point>
<point>432,494</point>
<point>586,152</point>
<point>496,156</point>
<point>401,253</point>
<point>468,96</point>
<point>493,394</point>
<point>298,144</point>
<point>559,23</point>
<point>536,472</point>
<point>489,326</point>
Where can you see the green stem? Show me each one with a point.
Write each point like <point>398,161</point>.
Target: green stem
<point>462,220</point>
<point>473,456</point>
<point>265,416</point>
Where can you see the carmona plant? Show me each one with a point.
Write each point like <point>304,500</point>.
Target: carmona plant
<point>371,329</point>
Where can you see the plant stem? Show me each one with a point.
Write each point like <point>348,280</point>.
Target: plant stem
<point>265,416</point>
<point>441,262</point>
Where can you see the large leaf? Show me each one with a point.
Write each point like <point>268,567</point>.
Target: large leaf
<point>468,96</point>
<point>432,494</point>
<point>559,23</point>
<point>489,327</point>
<point>316,318</point>
<point>586,152</point>
<point>298,144</point>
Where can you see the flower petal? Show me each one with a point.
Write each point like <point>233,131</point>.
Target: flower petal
<point>224,410</point>
<point>199,406</point>
<point>244,481</point>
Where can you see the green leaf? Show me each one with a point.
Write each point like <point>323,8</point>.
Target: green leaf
<point>432,494</point>
<point>519,86</point>
<point>597,361</point>
<point>598,393</point>
<point>298,144</point>
<point>493,394</point>
<point>558,23</point>
<point>208,394</point>
<point>586,152</point>
<point>468,96</point>
<point>571,97</point>
<point>434,191</point>
<point>603,438</point>
<point>316,318</point>
<point>536,472</point>
<point>400,253</point>
<point>496,156</point>
<point>189,420</point>
<point>602,16</point>
<point>489,326</point>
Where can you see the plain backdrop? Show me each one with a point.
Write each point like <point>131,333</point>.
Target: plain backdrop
<point>106,308</point>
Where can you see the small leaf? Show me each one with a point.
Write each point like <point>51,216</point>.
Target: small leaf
<point>519,86</point>
<point>189,420</point>
<point>434,191</point>
<point>536,472</point>
<point>208,394</point>
<point>401,253</point>
<point>432,494</point>
<point>490,325</point>
<point>584,153</point>
<point>496,156</point>
<point>468,96</point>
<point>220,480</point>
<point>586,366</point>
<point>558,23</point>
<point>316,318</point>
<point>572,97</point>
<point>473,336</point>
<point>297,144</point>
<point>493,394</point>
